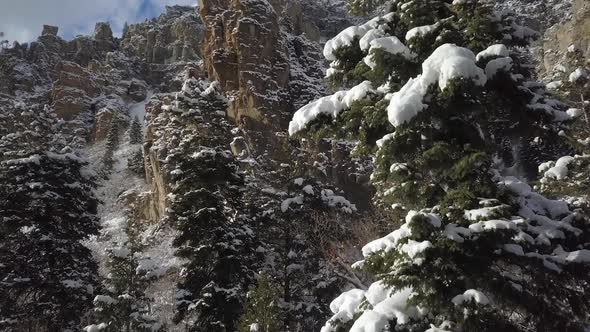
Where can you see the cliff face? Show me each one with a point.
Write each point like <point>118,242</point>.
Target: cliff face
<point>174,36</point>
<point>245,51</point>
<point>575,31</point>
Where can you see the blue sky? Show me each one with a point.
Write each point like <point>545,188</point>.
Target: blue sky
<point>23,20</point>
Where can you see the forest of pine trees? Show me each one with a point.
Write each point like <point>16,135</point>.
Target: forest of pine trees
<point>479,249</point>
<point>476,215</point>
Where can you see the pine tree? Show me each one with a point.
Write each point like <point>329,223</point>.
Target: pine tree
<point>296,242</point>
<point>135,134</point>
<point>219,250</point>
<point>362,7</point>
<point>308,278</point>
<point>111,145</point>
<point>125,30</point>
<point>136,163</point>
<point>214,236</point>
<point>263,312</point>
<point>125,306</point>
<point>479,250</point>
<point>48,275</point>
<point>573,81</point>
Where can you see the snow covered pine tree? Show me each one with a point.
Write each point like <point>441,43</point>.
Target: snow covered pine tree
<point>135,134</point>
<point>48,275</point>
<point>213,239</point>
<point>458,134</point>
<point>125,306</point>
<point>112,142</point>
<point>298,220</point>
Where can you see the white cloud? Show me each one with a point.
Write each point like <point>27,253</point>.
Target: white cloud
<point>23,20</point>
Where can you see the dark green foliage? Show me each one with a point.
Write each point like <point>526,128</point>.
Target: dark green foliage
<point>112,143</point>
<point>218,272</point>
<point>125,306</point>
<point>125,30</point>
<point>263,307</point>
<point>300,228</point>
<point>450,162</point>
<point>48,276</point>
<point>472,25</point>
<point>135,132</point>
<point>136,163</point>
<point>350,60</point>
<point>362,7</point>
<point>219,248</point>
<point>390,68</point>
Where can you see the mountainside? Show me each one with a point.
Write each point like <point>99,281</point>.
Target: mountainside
<point>281,165</point>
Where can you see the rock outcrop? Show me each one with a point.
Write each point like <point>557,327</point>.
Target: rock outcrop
<point>260,54</point>
<point>49,30</point>
<point>245,52</point>
<point>575,32</point>
<point>264,64</point>
<point>73,91</point>
<point>174,36</point>
<point>330,17</point>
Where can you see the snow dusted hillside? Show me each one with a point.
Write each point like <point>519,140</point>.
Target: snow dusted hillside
<point>269,166</point>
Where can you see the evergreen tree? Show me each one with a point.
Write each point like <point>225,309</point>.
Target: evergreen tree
<point>362,7</point>
<point>263,312</point>
<point>214,237</point>
<point>112,142</point>
<point>136,163</point>
<point>297,241</point>
<point>218,250</point>
<point>479,250</point>
<point>309,279</point>
<point>48,276</point>
<point>125,30</point>
<point>573,85</point>
<point>125,305</point>
<point>135,133</point>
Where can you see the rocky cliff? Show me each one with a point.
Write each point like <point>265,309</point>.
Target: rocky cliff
<point>174,36</point>
<point>573,34</point>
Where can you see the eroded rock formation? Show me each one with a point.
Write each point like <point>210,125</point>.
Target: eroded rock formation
<point>174,36</point>
<point>243,49</point>
<point>575,32</point>
<point>73,91</point>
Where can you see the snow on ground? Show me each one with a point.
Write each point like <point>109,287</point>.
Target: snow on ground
<point>158,258</point>
<point>112,215</point>
<point>138,110</point>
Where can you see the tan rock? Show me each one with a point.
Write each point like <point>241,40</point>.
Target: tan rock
<point>72,91</point>
<point>245,51</point>
<point>574,32</point>
<point>102,124</point>
<point>301,24</point>
<point>141,205</point>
